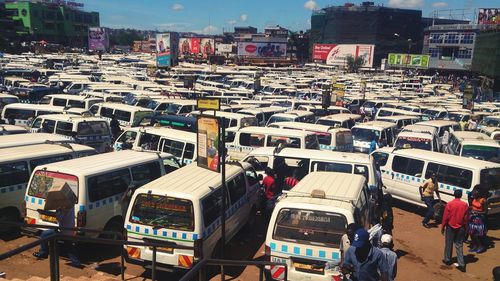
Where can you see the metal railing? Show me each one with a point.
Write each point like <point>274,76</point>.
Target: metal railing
<point>199,269</point>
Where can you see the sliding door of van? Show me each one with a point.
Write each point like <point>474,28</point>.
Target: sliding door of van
<point>405,178</point>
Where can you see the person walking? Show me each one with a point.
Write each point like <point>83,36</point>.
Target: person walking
<point>363,261</point>
<point>66,219</point>
<point>453,228</point>
<point>347,238</point>
<point>386,214</point>
<point>427,191</point>
<point>476,226</point>
<point>391,257</point>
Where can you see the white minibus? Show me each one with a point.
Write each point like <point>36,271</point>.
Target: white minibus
<point>364,133</point>
<point>29,139</point>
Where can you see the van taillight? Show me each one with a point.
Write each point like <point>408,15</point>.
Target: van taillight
<point>267,251</point>
<point>198,248</point>
<point>81,219</point>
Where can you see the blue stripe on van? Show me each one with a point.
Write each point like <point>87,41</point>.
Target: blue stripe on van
<point>326,254</point>
<point>404,177</point>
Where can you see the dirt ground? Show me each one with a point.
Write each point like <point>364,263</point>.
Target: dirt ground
<point>420,251</point>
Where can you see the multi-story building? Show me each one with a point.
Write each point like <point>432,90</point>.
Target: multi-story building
<point>451,47</point>
<point>368,24</point>
<point>486,60</point>
<point>61,22</point>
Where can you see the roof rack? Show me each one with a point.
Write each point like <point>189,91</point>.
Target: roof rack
<point>316,193</point>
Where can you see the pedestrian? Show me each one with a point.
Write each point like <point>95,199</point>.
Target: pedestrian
<point>444,142</point>
<point>391,257</point>
<point>476,226</point>
<point>386,214</point>
<point>115,127</point>
<point>363,261</point>
<point>453,228</point>
<point>347,238</point>
<point>66,220</point>
<point>291,181</point>
<point>427,191</point>
<point>270,189</point>
<point>472,125</point>
<point>373,144</point>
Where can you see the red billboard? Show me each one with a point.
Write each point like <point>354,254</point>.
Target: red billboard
<point>194,46</point>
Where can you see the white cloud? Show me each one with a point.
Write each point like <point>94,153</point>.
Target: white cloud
<point>231,22</point>
<point>311,5</point>
<point>177,7</point>
<point>406,3</point>
<point>243,17</point>
<point>209,29</point>
<point>439,4</point>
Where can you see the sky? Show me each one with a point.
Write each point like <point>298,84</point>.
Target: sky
<point>216,16</point>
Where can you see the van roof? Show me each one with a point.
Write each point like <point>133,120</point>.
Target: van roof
<point>30,138</point>
<point>70,117</point>
<point>166,132</point>
<point>475,138</point>
<point>30,106</point>
<point>100,163</point>
<point>225,114</point>
<point>441,158</point>
<point>38,150</point>
<point>375,124</point>
<point>191,181</point>
<point>262,110</point>
<point>438,123</point>
<point>72,97</point>
<point>416,128</point>
<point>306,127</point>
<point>122,106</point>
<point>294,113</point>
<point>312,154</point>
<point>341,117</point>
<point>397,117</point>
<point>341,190</point>
<point>273,131</point>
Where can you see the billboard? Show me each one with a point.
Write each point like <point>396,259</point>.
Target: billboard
<point>488,16</point>
<point>208,142</point>
<point>336,54</point>
<point>405,60</point>
<point>262,49</point>
<point>195,46</point>
<point>98,39</point>
<point>166,49</point>
<point>224,48</point>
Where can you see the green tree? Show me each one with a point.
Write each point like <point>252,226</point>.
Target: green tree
<point>353,64</point>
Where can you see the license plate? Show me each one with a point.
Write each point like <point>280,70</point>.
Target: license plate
<point>167,250</point>
<point>279,260</point>
<point>47,218</point>
<point>307,267</point>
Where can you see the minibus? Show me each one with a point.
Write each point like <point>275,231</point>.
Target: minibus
<point>72,101</point>
<point>364,133</point>
<point>492,132</point>
<point>308,222</point>
<point>318,110</point>
<point>183,209</point>
<point>341,120</point>
<point>474,145</point>
<point>386,111</point>
<point>441,126</point>
<point>240,142</point>
<point>183,123</point>
<point>400,120</point>
<point>17,164</point>
<point>180,144</point>
<point>263,114</point>
<point>30,139</point>
<point>98,182</point>
<point>6,99</point>
<point>232,120</point>
<point>87,130</point>
<point>304,161</point>
<point>405,170</point>
<point>329,138</point>
<point>292,116</point>
<point>126,115</point>
<point>22,113</point>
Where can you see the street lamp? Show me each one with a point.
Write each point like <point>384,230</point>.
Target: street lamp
<point>407,58</point>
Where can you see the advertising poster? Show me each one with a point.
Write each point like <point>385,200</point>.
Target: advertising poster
<point>405,60</point>
<point>224,48</point>
<point>207,46</point>
<point>488,16</point>
<point>194,46</point>
<point>262,49</point>
<point>163,54</point>
<point>98,39</point>
<point>208,143</point>
<point>335,54</point>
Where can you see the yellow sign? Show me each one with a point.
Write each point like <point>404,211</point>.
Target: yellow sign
<point>208,104</point>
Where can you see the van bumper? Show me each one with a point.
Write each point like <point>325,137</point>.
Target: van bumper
<point>149,265</point>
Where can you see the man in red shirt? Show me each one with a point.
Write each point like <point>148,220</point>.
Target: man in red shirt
<point>270,190</point>
<point>453,227</point>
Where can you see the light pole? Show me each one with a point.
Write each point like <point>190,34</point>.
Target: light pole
<point>407,58</point>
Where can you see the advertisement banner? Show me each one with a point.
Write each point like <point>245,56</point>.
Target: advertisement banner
<point>488,16</point>
<point>163,53</point>
<point>208,142</point>
<point>98,39</point>
<point>335,54</point>
<point>194,46</point>
<point>207,46</point>
<point>405,60</point>
<point>263,49</point>
<point>224,48</point>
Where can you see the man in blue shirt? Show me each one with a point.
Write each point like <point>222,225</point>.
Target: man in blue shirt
<point>365,262</point>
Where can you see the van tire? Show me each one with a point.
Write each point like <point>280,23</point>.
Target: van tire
<point>113,225</point>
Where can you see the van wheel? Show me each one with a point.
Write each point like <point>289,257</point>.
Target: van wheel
<point>115,226</point>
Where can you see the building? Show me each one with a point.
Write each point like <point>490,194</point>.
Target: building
<point>368,24</point>
<point>243,33</point>
<point>276,31</point>
<point>9,30</point>
<point>62,22</point>
<point>486,58</point>
<point>426,22</point>
<point>451,47</point>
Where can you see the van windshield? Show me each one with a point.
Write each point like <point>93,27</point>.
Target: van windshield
<point>43,181</point>
<point>482,152</point>
<point>365,134</point>
<point>93,128</point>
<point>413,142</point>
<point>163,212</point>
<point>490,178</point>
<point>309,227</point>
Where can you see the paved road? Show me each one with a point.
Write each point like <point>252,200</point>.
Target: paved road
<point>420,252</point>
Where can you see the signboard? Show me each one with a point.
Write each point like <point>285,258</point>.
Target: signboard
<point>208,142</point>
<point>262,49</point>
<point>405,60</point>
<point>98,39</point>
<point>224,48</point>
<point>335,54</point>
<point>488,16</point>
<point>194,46</point>
<point>208,104</point>
<point>166,49</point>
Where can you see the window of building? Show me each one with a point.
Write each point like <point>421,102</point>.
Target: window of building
<point>436,38</point>
<point>451,38</point>
<point>467,38</point>
<point>464,53</point>
<point>434,52</point>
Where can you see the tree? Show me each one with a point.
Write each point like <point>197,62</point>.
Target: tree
<point>353,64</point>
